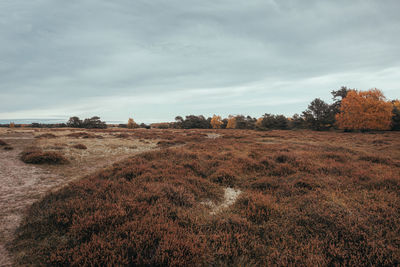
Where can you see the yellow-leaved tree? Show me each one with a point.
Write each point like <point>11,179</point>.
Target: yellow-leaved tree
<point>231,122</point>
<point>132,124</point>
<point>216,122</point>
<point>396,115</point>
<point>259,122</point>
<point>365,110</point>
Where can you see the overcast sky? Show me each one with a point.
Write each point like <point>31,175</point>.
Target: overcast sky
<point>153,60</point>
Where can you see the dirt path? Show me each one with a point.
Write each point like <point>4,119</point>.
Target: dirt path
<point>20,186</point>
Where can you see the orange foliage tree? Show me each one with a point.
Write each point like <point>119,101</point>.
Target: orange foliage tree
<point>259,122</point>
<point>231,123</point>
<point>365,110</point>
<point>132,124</point>
<point>216,122</point>
<point>396,115</point>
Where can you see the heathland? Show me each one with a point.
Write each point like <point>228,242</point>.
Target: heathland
<point>199,197</point>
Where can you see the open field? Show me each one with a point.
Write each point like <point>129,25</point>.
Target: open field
<point>201,197</point>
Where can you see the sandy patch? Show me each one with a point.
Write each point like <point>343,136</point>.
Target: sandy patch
<point>230,196</point>
<point>22,184</point>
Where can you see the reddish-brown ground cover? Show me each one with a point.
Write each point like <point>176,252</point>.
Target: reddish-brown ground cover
<point>35,155</point>
<point>307,198</point>
<point>79,146</point>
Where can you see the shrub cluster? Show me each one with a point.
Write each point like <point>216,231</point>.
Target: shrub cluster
<point>79,146</point>
<point>3,143</point>
<point>89,123</point>
<point>46,135</point>
<point>84,135</point>
<point>35,155</point>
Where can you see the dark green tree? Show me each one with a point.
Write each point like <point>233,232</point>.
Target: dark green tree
<point>337,97</point>
<point>75,122</point>
<point>319,115</point>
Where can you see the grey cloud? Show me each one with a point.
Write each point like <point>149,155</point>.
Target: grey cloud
<point>57,53</point>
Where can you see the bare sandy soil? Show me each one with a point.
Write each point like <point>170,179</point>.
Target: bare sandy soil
<point>21,184</point>
<point>230,197</point>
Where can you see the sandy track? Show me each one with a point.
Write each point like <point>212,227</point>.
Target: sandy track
<point>20,186</point>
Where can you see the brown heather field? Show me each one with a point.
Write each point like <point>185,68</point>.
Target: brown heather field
<point>201,198</point>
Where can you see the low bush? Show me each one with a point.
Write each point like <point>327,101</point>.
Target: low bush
<point>2,143</point>
<point>46,135</point>
<point>79,146</point>
<point>37,156</point>
<point>84,135</point>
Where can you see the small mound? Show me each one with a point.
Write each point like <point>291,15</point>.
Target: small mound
<point>37,156</point>
<point>82,135</point>
<point>46,135</point>
<point>122,135</point>
<point>79,146</point>
<point>170,143</point>
<point>2,143</point>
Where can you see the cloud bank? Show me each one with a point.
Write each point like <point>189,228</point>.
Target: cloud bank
<point>153,60</point>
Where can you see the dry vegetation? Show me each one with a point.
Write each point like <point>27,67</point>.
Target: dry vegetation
<point>306,198</point>
<point>35,155</point>
<point>22,184</point>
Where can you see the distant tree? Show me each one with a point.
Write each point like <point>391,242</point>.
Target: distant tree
<point>269,121</point>
<point>75,122</point>
<point>245,122</point>
<point>231,123</point>
<point>396,115</point>
<point>178,122</point>
<point>216,122</point>
<point>195,122</point>
<point>338,96</point>
<point>224,123</point>
<point>259,122</point>
<point>241,122</point>
<point>94,123</point>
<point>145,126</point>
<point>319,115</point>
<point>296,122</point>
<point>132,124</point>
<point>365,110</point>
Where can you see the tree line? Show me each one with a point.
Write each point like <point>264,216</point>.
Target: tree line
<point>351,110</point>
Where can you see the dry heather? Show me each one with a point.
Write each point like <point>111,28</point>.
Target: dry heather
<point>307,198</point>
<point>79,146</point>
<point>46,135</point>
<point>2,143</point>
<point>82,135</point>
<point>24,183</point>
<point>35,155</point>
